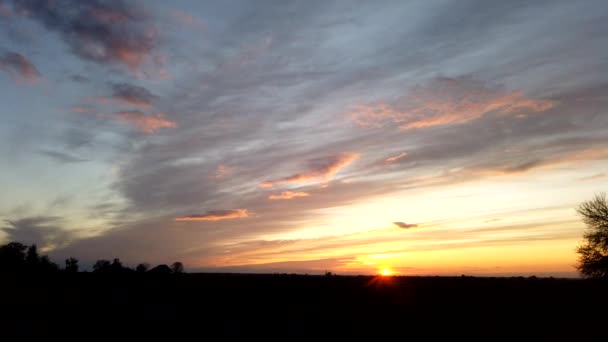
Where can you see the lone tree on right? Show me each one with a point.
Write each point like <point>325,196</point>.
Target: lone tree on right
<point>593,252</point>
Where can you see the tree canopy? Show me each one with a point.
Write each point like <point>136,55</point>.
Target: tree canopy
<point>593,252</point>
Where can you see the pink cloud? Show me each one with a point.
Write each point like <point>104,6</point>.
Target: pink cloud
<point>321,169</point>
<point>143,122</point>
<point>216,215</point>
<point>448,102</point>
<point>224,171</point>
<point>285,195</point>
<point>19,67</point>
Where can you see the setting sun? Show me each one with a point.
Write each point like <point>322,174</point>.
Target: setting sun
<point>385,272</point>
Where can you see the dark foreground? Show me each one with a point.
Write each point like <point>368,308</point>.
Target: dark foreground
<point>197,307</point>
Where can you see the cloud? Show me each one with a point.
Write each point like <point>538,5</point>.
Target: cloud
<point>596,176</point>
<point>224,170</point>
<point>448,101</point>
<point>44,231</point>
<point>405,225</point>
<point>145,123</point>
<point>19,67</point>
<point>111,31</point>
<point>132,95</point>
<point>62,157</point>
<point>396,158</point>
<point>285,195</point>
<point>321,169</point>
<point>216,215</point>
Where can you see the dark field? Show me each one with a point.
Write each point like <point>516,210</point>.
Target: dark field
<point>196,307</point>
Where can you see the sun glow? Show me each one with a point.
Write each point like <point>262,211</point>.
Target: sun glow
<point>385,272</point>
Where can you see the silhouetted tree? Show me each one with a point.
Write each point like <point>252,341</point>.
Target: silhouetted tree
<point>32,259</point>
<point>143,267</point>
<point>102,266</point>
<point>71,265</point>
<point>12,256</point>
<point>177,267</point>
<point>593,252</point>
<point>46,265</point>
<point>161,269</point>
<point>116,265</point>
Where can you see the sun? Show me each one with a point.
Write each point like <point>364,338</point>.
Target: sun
<point>385,272</point>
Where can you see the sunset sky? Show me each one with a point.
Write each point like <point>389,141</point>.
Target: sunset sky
<point>424,137</point>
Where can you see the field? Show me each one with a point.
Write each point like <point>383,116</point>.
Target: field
<point>195,307</point>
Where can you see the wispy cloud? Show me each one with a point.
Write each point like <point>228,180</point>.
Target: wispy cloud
<point>285,195</point>
<point>143,122</point>
<point>216,215</point>
<point>447,101</point>
<point>321,169</point>
<point>132,95</point>
<point>62,157</point>
<point>396,158</point>
<point>19,67</point>
<point>600,175</point>
<point>223,171</point>
<point>112,31</point>
<point>404,225</point>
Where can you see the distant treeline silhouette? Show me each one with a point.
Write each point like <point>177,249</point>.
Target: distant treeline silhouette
<point>16,257</point>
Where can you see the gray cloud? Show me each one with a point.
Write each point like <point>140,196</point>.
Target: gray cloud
<point>132,95</point>
<point>18,66</point>
<point>111,31</point>
<point>62,157</point>
<point>45,231</point>
<point>405,225</point>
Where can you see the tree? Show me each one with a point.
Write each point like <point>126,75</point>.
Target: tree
<point>102,266</point>
<point>32,258</point>
<point>143,267</point>
<point>12,256</point>
<point>177,267</point>
<point>593,252</point>
<point>71,265</point>
<point>161,269</point>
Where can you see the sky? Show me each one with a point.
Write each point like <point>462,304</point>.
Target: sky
<point>424,137</point>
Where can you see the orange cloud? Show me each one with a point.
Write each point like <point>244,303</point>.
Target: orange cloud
<point>322,169</point>
<point>285,195</point>
<point>216,215</point>
<point>145,123</point>
<point>223,171</point>
<point>448,101</point>
<point>395,158</point>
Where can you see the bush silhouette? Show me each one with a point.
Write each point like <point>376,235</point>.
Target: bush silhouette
<point>71,265</point>
<point>593,252</point>
<point>161,269</point>
<point>177,267</point>
<point>143,267</point>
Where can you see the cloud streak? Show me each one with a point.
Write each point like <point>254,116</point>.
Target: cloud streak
<point>286,195</point>
<point>216,215</point>
<point>321,170</point>
<point>447,101</point>
<point>145,123</point>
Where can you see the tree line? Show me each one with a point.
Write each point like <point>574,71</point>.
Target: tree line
<point>16,257</point>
